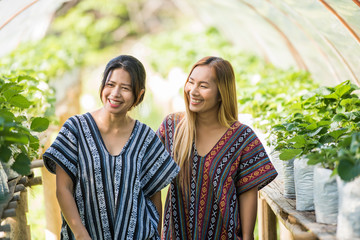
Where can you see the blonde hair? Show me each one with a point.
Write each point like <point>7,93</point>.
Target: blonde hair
<point>227,114</point>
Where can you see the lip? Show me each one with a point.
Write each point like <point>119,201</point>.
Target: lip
<point>114,103</point>
<point>195,101</point>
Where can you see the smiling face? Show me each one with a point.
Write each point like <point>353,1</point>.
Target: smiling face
<point>117,94</point>
<point>201,90</point>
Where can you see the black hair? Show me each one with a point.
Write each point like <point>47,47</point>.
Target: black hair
<point>136,71</point>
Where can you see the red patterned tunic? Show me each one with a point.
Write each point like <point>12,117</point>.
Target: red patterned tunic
<point>237,163</point>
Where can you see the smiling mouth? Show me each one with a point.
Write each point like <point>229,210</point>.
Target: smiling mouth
<point>114,103</point>
<point>195,101</point>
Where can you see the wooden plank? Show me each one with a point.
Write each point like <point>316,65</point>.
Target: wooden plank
<point>302,224</point>
<point>266,221</point>
<point>12,184</point>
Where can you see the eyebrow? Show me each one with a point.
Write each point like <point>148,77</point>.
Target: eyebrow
<point>200,81</point>
<point>122,84</point>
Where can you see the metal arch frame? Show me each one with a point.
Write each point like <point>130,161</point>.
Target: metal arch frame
<point>18,13</point>
<point>312,40</point>
<point>296,55</point>
<point>357,2</point>
<point>352,32</point>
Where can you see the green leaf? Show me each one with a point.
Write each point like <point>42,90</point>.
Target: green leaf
<point>314,160</point>
<point>279,127</point>
<point>339,117</point>
<point>317,131</point>
<point>332,96</point>
<point>288,154</point>
<point>19,101</point>
<point>7,115</point>
<point>338,133</point>
<point>326,139</point>
<point>312,126</point>
<point>15,138</point>
<point>21,164</point>
<point>39,124</point>
<point>34,142</point>
<point>341,90</point>
<point>5,154</point>
<point>350,102</point>
<point>26,77</point>
<point>348,170</point>
<point>298,141</point>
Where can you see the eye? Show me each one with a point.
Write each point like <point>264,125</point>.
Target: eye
<point>109,84</point>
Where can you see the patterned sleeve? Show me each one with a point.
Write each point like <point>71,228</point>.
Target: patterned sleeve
<point>255,167</point>
<point>64,151</point>
<point>158,168</point>
<point>161,131</point>
<point>166,131</point>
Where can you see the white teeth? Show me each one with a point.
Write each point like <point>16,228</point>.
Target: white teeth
<point>195,101</point>
<point>113,102</point>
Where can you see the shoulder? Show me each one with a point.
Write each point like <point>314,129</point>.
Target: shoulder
<point>142,128</point>
<point>76,119</point>
<point>238,126</point>
<point>75,123</point>
<point>174,118</point>
<point>243,130</point>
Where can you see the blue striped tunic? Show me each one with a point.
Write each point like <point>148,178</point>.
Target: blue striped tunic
<point>112,192</point>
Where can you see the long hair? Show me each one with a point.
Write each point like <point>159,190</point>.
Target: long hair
<point>185,133</point>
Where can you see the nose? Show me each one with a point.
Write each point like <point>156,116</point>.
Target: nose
<point>193,90</point>
<point>116,91</point>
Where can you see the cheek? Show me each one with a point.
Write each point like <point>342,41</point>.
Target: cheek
<point>187,88</point>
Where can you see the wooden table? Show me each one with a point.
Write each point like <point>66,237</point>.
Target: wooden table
<point>302,225</point>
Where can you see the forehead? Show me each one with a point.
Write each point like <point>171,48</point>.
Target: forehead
<point>120,75</point>
<point>203,74</point>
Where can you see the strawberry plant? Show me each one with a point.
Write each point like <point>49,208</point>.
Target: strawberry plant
<point>23,109</point>
<point>327,116</point>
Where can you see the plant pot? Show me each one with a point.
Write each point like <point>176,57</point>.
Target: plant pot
<point>325,196</point>
<point>349,210</point>
<point>288,177</point>
<point>4,188</point>
<point>304,184</point>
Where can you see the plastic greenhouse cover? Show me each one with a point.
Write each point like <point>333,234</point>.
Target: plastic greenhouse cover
<point>321,36</point>
<point>24,20</point>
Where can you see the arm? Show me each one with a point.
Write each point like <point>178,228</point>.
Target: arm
<point>248,211</point>
<point>64,194</point>
<point>156,199</point>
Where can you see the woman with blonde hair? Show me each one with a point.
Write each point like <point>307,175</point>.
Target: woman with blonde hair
<point>222,162</point>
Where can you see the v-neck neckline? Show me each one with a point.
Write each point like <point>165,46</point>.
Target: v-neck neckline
<point>102,140</point>
<point>216,144</point>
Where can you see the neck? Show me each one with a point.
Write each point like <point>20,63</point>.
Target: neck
<point>207,121</point>
<point>112,121</point>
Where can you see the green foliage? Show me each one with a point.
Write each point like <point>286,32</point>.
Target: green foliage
<point>182,48</point>
<point>274,95</point>
<point>22,101</point>
<point>95,24</point>
<point>321,128</point>
<point>349,157</point>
